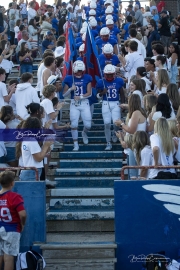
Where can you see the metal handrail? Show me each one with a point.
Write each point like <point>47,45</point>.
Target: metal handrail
<point>146,167</point>
<point>21,168</point>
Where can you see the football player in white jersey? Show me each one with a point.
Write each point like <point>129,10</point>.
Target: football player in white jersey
<point>79,86</point>
<point>109,89</point>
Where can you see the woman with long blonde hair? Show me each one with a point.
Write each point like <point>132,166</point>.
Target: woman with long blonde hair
<point>173,94</point>
<point>163,149</point>
<point>162,81</point>
<point>136,120</point>
<point>136,116</point>
<point>142,151</point>
<point>173,127</point>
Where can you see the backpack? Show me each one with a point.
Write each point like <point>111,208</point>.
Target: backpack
<point>30,260</point>
<point>156,262</point>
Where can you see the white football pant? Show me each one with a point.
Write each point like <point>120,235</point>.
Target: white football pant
<point>82,110</point>
<point>110,110</point>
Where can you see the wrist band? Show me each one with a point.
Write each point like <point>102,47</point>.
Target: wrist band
<point>122,124</point>
<point>81,97</point>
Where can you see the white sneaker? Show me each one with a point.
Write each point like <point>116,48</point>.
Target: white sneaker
<point>114,138</point>
<point>108,147</point>
<point>76,147</point>
<point>50,183</point>
<point>85,137</point>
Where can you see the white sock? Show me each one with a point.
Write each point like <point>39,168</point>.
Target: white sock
<point>92,109</point>
<point>74,133</point>
<point>75,143</point>
<point>107,130</point>
<point>85,130</point>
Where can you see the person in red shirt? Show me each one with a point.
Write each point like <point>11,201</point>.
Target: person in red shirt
<point>12,220</point>
<point>160,6</point>
<point>36,6</point>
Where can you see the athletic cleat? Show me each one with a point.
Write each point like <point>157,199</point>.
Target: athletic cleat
<point>85,137</point>
<point>108,147</point>
<point>76,147</point>
<point>114,138</point>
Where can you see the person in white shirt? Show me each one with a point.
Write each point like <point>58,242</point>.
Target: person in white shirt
<point>3,151</point>
<point>134,61</point>
<point>78,13</point>
<point>142,151</point>
<point>141,49</point>
<point>49,93</point>
<point>12,101</point>
<point>8,118</point>
<point>142,74</point>
<point>41,68</point>
<point>13,10</point>
<point>50,114</point>
<point>163,108</point>
<point>50,66</point>
<point>161,80</point>
<point>70,4</point>
<point>25,94</point>
<point>31,153</point>
<point>176,139</point>
<point>137,87</point>
<point>163,149</point>
<point>31,11</point>
<point>16,31</point>
<point>4,95</point>
<point>23,8</point>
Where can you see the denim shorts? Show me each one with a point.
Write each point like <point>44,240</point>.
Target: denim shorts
<point>29,175</point>
<point>11,154</point>
<point>9,242</point>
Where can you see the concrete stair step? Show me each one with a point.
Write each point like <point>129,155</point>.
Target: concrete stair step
<point>59,226</point>
<point>80,264</point>
<point>91,133</point>
<point>92,147</point>
<point>95,121</point>
<point>81,192</point>
<point>97,110</point>
<point>80,237</point>
<point>91,140</point>
<point>87,214</point>
<point>88,172</point>
<point>75,245</point>
<point>81,204</point>
<point>93,255</point>
<point>97,115</point>
<point>95,154</point>
<point>90,163</point>
<point>95,127</point>
<point>86,182</point>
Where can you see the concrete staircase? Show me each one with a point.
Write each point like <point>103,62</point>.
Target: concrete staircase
<point>80,215</point>
<point>80,219</point>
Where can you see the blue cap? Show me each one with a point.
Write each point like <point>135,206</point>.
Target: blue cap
<point>48,33</point>
<point>64,4</point>
<point>163,12</point>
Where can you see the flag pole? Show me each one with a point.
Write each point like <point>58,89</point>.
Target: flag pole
<point>99,67</point>
<point>68,20</point>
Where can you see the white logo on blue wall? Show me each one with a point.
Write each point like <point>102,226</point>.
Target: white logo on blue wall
<point>168,194</point>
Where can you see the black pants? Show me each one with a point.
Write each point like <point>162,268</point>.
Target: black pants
<point>12,35</point>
